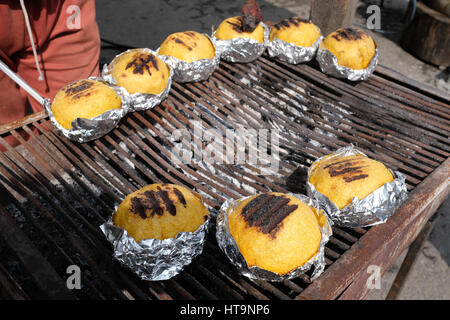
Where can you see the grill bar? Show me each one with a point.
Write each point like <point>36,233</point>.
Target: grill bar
<point>335,143</point>
<point>367,109</point>
<point>370,141</point>
<point>364,131</point>
<point>56,193</point>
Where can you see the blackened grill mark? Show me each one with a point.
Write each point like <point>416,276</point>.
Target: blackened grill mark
<point>349,169</point>
<point>333,172</point>
<point>250,211</point>
<point>155,204</point>
<point>348,34</point>
<point>152,201</point>
<point>350,179</point>
<point>299,20</point>
<point>286,23</point>
<point>167,202</point>
<point>139,207</point>
<point>271,217</point>
<point>266,212</point>
<point>274,224</point>
<point>182,43</point>
<point>81,94</point>
<point>78,89</point>
<point>141,62</point>
<point>277,26</point>
<point>179,196</point>
<point>191,34</point>
<point>339,162</point>
<point>236,26</point>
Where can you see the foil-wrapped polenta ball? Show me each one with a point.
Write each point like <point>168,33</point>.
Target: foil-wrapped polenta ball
<point>160,211</point>
<point>188,46</point>
<point>276,231</point>
<point>343,178</point>
<point>295,30</point>
<point>85,98</point>
<point>231,28</point>
<point>353,48</point>
<point>140,72</point>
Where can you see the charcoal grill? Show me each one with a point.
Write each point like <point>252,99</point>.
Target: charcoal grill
<point>55,193</point>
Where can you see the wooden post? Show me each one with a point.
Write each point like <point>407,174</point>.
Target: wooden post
<point>330,15</point>
<point>428,36</point>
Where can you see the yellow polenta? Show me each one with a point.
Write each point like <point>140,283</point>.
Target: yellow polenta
<point>353,48</point>
<point>83,99</point>
<point>140,72</point>
<point>296,31</point>
<point>160,211</point>
<point>231,28</point>
<point>343,178</point>
<point>276,231</point>
<point>188,46</point>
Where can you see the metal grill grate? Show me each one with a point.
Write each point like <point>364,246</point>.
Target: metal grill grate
<point>55,193</point>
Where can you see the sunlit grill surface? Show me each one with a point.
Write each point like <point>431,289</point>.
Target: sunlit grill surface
<point>55,193</point>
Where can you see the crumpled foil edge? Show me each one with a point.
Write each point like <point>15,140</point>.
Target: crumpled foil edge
<point>154,259</point>
<point>328,64</point>
<point>194,71</point>
<point>228,245</point>
<point>291,53</point>
<point>374,209</point>
<point>139,101</point>
<point>241,50</point>
<point>85,130</point>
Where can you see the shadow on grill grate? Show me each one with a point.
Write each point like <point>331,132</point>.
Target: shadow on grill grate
<point>56,193</point>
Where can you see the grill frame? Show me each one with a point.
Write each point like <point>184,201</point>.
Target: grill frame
<point>347,274</point>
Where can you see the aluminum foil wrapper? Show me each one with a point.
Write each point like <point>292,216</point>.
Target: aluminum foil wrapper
<point>230,248</point>
<point>374,209</point>
<point>241,49</point>
<point>139,101</point>
<point>84,130</point>
<point>291,53</point>
<point>154,259</point>
<point>329,65</point>
<point>192,71</point>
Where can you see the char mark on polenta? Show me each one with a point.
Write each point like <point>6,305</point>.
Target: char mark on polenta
<point>141,62</point>
<point>236,27</point>
<point>164,195</point>
<point>266,212</point>
<point>348,169</point>
<point>191,34</point>
<point>179,196</point>
<point>79,89</point>
<point>182,43</point>
<point>151,201</point>
<point>287,23</point>
<point>348,34</point>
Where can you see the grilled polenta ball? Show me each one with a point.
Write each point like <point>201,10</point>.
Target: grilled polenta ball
<point>276,231</point>
<point>343,178</point>
<point>188,46</point>
<point>232,28</point>
<point>297,31</point>
<point>353,48</point>
<point>160,211</point>
<point>140,72</point>
<point>83,99</point>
